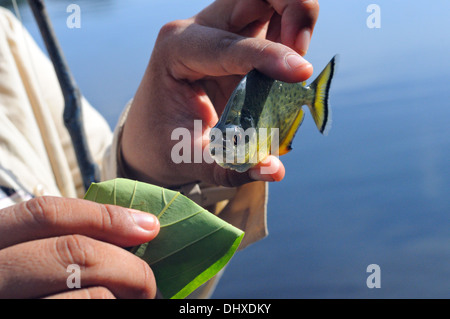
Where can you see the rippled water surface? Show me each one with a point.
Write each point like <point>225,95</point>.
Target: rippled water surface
<point>376,190</point>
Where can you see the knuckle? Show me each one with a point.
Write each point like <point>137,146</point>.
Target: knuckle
<point>171,28</point>
<point>42,210</point>
<point>266,49</point>
<point>74,249</point>
<point>111,216</point>
<point>311,6</point>
<point>226,42</point>
<point>106,217</point>
<point>232,51</point>
<point>168,41</point>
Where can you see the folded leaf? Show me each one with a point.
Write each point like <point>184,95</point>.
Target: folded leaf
<point>192,246</point>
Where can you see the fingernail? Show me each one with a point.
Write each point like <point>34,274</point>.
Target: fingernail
<point>146,221</point>
<point>302,42</point>
<point>296,61</point>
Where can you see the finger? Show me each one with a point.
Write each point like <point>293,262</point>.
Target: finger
<point>235,16</point>
<point>197,51</point>
<point>297,24</point>
<point>294,29</point>
<point>44,217</point>
<point>40,268</point>
<point>274,28</point>
<point>269,170</point>
<point>88,293</point>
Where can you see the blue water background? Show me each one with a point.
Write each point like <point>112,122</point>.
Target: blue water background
<point>376,190</point>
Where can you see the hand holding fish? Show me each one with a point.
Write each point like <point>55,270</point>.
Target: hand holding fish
<point>195,65</point>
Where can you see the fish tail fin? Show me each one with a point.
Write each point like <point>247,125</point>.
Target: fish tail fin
<point>318,103</point>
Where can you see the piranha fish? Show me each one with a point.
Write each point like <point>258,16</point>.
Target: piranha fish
<point>263,115</point>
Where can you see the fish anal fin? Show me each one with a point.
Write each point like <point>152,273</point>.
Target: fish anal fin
<point>284,149</point>
<point>286,144</point>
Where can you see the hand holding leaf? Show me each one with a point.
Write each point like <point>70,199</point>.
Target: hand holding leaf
<point>192,246</point>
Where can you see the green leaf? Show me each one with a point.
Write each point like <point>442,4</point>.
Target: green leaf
<point>192,246</point>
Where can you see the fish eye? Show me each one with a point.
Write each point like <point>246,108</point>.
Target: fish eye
<point>237,136</point>
<point>213,137</point>
<point>233,135</point>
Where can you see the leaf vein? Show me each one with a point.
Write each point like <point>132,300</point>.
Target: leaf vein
<point>133,195</point>
<point>114,192</point>
<point>184,218</point>
<point>187,245</point>
<point>167,205</point>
